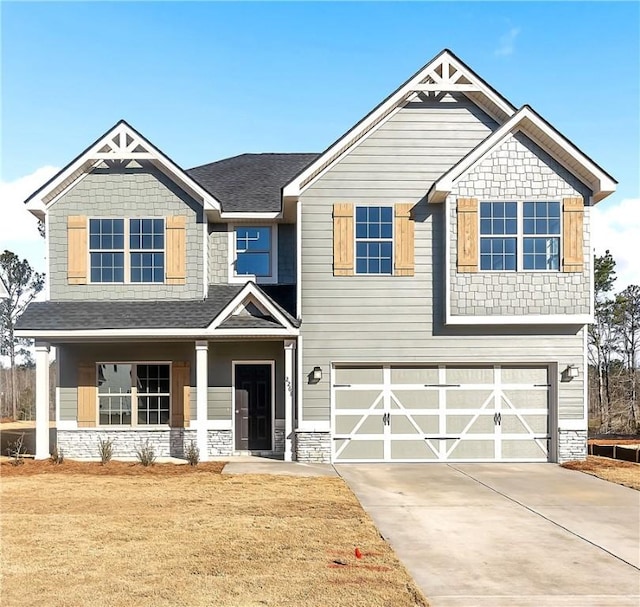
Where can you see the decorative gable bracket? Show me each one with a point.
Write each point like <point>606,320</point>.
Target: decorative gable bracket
<point>120,144</point>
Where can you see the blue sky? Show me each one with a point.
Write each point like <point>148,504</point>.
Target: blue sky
<point>207,80</point>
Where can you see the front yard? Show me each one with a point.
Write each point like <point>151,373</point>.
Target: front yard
<point>612,470</point>
<point>189,537</point>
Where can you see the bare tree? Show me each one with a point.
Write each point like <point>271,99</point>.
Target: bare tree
<point>627,319</point>
<point>601,334</point>
<point>22,284</point>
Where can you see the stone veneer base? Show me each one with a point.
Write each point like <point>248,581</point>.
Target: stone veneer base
<point>167,442</point>
<point>572,445</point>
<point>312,447</point>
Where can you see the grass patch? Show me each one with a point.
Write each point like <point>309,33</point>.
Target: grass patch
<point>612,470</point>
<point>122,534</point>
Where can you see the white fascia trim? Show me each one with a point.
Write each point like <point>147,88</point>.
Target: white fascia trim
<point>252,215</point>
<point>294,187</point>
<point>250,289</point>
<point>93,155</point>
<point>191,334</point>
<point>602,184</point>
<point>309,426</point>
<point>538,319</point>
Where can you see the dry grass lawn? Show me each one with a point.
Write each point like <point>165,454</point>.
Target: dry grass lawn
<point>612,470</point>
<point>190,537</point>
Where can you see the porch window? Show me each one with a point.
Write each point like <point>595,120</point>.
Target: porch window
<point>134,394</point>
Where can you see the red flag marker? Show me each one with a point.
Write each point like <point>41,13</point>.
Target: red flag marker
<point>358,553</point>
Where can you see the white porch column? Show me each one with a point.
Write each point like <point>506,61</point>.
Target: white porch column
<point>289,354</point>
<point>202,382</point>
<point>42,401</point>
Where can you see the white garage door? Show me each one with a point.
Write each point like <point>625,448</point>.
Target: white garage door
<point>409,414</point>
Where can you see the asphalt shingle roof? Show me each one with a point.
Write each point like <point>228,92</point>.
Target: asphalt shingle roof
<point>160,314</point>
<point>250,182</point>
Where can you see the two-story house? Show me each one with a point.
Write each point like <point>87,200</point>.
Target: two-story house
<point>418,292</point>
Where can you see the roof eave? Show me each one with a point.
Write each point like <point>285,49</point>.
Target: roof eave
<point>599,181</point>
<point>345,142</point>
<point>40,200</point>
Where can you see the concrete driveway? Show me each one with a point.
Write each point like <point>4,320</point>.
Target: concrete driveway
<point>506,534</point>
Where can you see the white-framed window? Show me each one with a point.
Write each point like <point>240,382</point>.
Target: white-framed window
<point>106,250</point>
<point>253,251</point>
<point>134,394</point>
<point>374,240</point>
<point>520,235</point>
<point>541,235</point>
<point>127,250</point>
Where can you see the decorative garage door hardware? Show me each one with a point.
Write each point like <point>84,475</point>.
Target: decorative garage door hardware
<point>388,413</point>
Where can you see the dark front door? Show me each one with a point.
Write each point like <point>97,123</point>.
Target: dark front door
<point>253,407</point>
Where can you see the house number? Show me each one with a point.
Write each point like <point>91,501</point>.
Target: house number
<point>287,381</point>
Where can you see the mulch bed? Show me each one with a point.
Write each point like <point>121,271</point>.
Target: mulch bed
<point>31,467</point>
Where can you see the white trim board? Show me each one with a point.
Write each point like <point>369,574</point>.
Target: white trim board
<point>529,122</point>
<point>427,75</point>
<point>540,319</point>
<point>121,142</point>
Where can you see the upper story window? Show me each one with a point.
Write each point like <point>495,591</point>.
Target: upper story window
<point>541,240</point>
<point>134,394</point>
<point>254,253</point>
<point>111,260</point>
<point>520,236</point>
<point>374,240</point>
<point>146,243</point>
<point>106,250</point>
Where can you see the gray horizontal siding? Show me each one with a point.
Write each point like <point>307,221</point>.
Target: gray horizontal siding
<point>400,319</point>
<point>68,399</point>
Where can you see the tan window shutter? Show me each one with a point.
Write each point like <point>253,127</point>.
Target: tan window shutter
<point>180,394</point>
<point>176,250</point>
<point>403,240</point>
<point>572,234</point>
<point>343,237</point>
<point>87,395</point>
<point>77,250</point>
<point>467,234</point>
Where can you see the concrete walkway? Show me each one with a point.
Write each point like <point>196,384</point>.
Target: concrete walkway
<point>264,465</point>
<point>507,534</point>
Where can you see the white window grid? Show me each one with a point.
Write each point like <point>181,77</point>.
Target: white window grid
<point>127,250</point>
<point>520,236</point>
<point>367,239</point>
<point>132,395</point>
<point>272,278</point>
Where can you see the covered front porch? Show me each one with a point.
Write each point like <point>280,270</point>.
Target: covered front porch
<point>232,396</point>
<point>220,373</point>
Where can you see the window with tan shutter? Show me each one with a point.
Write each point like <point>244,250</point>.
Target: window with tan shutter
<point>373,240</point>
